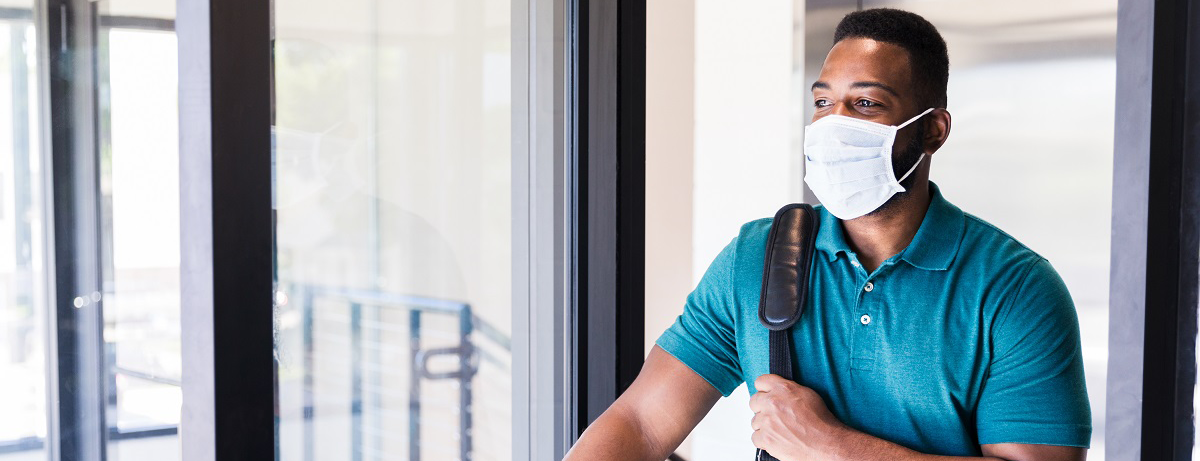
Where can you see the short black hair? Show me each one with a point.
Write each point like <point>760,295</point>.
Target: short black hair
<point>928,59</point>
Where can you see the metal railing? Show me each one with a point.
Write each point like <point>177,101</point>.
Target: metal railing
<point>465,353</point>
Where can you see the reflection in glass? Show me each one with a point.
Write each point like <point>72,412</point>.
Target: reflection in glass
<point>392,201</point>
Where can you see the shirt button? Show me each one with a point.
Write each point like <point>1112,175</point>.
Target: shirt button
<point>865,319</point>
<point>870,286</point>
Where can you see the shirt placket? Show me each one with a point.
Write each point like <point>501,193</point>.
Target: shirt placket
<point>865,319</point>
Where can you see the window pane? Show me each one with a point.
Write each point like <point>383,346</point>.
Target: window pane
<point>393,238</point>
<point>23,289</point>
<point>139,182</point>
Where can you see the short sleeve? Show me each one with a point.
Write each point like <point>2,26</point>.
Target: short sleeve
<point>1034,392</point>
<point>703,337</point>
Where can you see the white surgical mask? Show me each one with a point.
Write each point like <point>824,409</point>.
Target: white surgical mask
<point>848,163</point>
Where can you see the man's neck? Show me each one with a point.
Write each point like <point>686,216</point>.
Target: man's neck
<point>880,235</point>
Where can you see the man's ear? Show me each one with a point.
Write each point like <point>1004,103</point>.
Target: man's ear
<point>936,130</point>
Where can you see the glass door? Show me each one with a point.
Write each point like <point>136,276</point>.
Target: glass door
<point>392,199</point>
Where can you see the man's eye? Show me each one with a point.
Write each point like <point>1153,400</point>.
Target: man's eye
<point>821,103</point>
<point>867,103</point>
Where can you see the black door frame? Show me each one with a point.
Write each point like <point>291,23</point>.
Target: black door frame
<point>226,229</point>
<point>1172,228</point>
<point>1155,231</point>
<point>610,202</point>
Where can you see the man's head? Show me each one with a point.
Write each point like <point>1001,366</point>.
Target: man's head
<point>928,61</point>
<point>888,66</point>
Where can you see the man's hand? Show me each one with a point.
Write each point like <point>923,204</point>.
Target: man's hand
<point>792,422</point>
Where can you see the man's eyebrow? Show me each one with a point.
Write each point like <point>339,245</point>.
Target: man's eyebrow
<point>875,85</point>
<point>825,86</point>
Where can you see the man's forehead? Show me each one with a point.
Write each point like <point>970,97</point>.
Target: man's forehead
<point>856,60</point>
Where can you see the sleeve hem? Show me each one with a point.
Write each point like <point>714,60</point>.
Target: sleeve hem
<point>672,344</point>
<point>1067,435</point>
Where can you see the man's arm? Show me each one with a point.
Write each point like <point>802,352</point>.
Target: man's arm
<point>859,446</point>
<point>793,423</point>
<point>650,419</point>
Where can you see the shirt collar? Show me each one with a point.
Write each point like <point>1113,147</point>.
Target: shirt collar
<point>933,248</point>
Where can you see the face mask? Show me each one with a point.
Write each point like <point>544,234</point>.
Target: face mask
<point>848,163</point>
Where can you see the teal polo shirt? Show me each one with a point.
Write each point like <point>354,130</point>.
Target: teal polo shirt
<point>966,337</point>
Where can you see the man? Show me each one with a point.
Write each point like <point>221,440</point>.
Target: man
<point>927,331</point>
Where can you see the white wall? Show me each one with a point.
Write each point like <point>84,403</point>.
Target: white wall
<point>743,157</point>
<point>670,132</point>
<point>670,129</point>
<point>719,152</point>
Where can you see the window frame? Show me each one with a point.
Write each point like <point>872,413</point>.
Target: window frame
<point>610,124</point>
<point>543,225</point>
<point>75,390</point>
<point>68,82</point>
<point>226,237</point>
<point>1156,233</point>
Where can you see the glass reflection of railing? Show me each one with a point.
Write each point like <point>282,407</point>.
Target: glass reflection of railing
<point>465,352</point>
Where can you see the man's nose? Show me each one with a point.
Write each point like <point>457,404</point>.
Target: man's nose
<point>840,109</point>
<point>835,109</point>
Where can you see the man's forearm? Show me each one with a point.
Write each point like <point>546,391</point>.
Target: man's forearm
<point>792,422</point>
<point>860,446</point>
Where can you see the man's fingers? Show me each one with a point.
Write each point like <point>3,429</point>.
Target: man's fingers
<point>757,401</point>
<point>764,384</point>
<point>767,382</point>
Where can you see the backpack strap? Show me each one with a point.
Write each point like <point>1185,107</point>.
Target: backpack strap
<point>785,284</point>
<point>789,256</point>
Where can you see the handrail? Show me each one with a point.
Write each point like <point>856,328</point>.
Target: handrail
<point>469,353</point>
<point>466,351</point>
<point>386,299</point>
<point>146,376</point>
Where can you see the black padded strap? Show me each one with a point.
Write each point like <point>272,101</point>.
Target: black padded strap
<point>786,265</point>
<point>789,255</point>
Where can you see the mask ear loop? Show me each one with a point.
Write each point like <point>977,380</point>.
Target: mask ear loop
<point>914,168</point>
<point>922,114</point>
<point>922,157</point>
